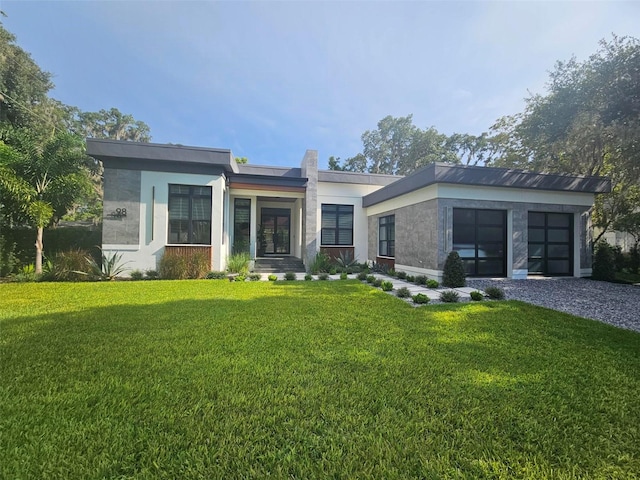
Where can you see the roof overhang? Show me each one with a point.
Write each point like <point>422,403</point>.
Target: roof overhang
<point>487,177</point>
<point>160,157</point>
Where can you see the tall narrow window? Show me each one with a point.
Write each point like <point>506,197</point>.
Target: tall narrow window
<point>337,225</point>
<point>241,225</point>
<point>387,236</point>
<point>189,215</point>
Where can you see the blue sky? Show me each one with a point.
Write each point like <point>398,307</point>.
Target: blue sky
<point>272,79</point>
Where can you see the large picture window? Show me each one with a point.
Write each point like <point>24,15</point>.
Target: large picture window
<point>480,238</point>
<point>337,225</point>
<point>189,215</point>
<point>387,236</point>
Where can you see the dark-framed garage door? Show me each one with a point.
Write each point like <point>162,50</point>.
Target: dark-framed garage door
<point>480,238</point>
<point>550,243</point>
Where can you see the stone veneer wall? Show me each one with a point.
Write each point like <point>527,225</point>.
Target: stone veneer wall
<point>520,220</point>
<point>424,231</point>
<point>121,190</point>
<point>309,169</point>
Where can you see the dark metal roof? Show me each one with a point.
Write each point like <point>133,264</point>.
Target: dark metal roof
<point>263,170</point>
<point>268,180</point>
<point>160,157</point>
<point>487,177</point>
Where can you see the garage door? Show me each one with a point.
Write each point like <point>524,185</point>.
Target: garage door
<point>480,238</point>
<point>550,243</point>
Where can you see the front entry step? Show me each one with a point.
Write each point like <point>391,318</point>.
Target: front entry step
<point>278,265</point>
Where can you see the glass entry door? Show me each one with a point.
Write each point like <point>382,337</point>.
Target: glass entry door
<point>276,230</point>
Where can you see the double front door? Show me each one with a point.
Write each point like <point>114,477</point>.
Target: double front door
<point>276,230</point>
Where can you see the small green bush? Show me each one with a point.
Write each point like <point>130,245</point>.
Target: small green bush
<point>403,292</point>
<point>370,279</point>
<point>421,279</point>
<point>431,283</point>
<point>377,282</point>
<point>333,271</point>
<point>453,275</point>
<point>410,278</point>
<point>151,274</point>
<point>26,274</point>
<point>362,276</point>
<point>320,263</point>
<point>289,276</point>
<point>386,286</point>
<point>239,263</point>
<point>254,277</point>
<point>239,278</point>
<point>604,263</point>
<point>136,275</point>
<point>344,276</point>
<point>476,296</point>
<point>308,277</point>
<point>494,293</point>
<point>216,275</point>
<point>272,277</point>
<point>449,296</point>
<point>392,273</point>
<point>401,275</point>
<point>420,298</point>
<point>323,276</point>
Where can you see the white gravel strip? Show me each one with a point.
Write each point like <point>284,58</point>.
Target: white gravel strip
<point>612,303</point>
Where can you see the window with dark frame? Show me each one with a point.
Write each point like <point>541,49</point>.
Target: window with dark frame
<point>337,225</point>
<point>241,225</point>
<point>387,236</point>
<point>189,214</point>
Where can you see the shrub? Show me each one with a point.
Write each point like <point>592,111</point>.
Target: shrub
<point>410,278</point>
<point>8,258</point>
<point>401,275</point>
<point>370,279</point>
<point>308,277</point>
<point>151,274</point>
<point>137,275</point>
<point>494,293</point>
<point>377,282</point>
<point>239,278</point>
<point>453,274</point>
<point>421,279</point>
<point>346,261</point>
<point>634,259</point>
<point>323,276</point>
<point>449,296</point>
<point>26,274</point>
<point>177,266</point>
<point>603,263</point>
<point>216,275</point>
<point>344,276</point>
<point>432,283</point>
<point>619,259</point>
<point>333,271</point>
<point>320,263</point>
<point>386,286</point>
<point>108,268</point>
<point>476,296</point>
<point>254,277</point>
<point>392,273</point>
<point>69,266</point>
<point>272,277</point>
<point>362,276</point>
<point>239,263</point>
<point>403,292</point>
<point>420,298</point>
<point>289,276</point>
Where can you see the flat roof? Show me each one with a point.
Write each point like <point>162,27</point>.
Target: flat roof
<point>160,157</point>
<point>486,177</point>
<point>338,176</point>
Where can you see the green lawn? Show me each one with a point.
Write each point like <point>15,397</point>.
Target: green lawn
<point>627,277</point>
<point>212,379</point>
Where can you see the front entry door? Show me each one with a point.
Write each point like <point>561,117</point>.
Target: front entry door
<point>276,227</point>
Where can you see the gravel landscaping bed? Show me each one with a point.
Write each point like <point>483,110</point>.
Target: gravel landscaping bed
<point>612,303</point>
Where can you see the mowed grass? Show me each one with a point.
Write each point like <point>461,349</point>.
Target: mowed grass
<point>212,379</point>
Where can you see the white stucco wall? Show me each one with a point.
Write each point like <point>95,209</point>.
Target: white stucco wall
<point>348,194</point>
<point>154,198</point>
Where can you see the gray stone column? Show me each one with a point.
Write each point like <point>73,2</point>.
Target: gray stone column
<point>309,169</point>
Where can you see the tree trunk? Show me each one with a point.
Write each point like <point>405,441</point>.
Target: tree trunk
<point>39,251</point>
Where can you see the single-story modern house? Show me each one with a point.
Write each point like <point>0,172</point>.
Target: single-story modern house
<point>503,223</point>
